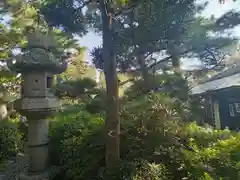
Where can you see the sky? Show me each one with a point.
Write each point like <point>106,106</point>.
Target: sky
<point>214,8</point>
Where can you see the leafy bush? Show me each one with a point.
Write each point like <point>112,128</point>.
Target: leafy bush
<point>74,88</point>
<point>217,154</point>
<point>10,140</point>
<point>205,136</point>
<point>149,131</point>
<point>137,170</point>
<point>75,142</point>
<point>97,105</point>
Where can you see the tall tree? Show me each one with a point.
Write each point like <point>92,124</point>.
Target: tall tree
<point>131,31</point>
<point>70,15</point>
<point>145,32</point>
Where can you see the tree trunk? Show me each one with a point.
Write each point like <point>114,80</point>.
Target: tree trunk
<point>144,71</point>
<point>175,59</point>
<point>112,123</point>
<point>176,64</point>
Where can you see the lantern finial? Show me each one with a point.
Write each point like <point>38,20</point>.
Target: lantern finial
<point>38,40</point>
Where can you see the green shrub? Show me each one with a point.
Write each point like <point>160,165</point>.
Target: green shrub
<point>219,160</point>
<point>150,171</point>
<point>84,156</point>
<point>10,140</point>
<point>185,148</point>
<point>205,136</point>
<point>170,149</point>
<point>137,170</point>
<point>76,142</point>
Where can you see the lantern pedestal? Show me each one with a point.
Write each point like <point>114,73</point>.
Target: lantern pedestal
<point>37,110</point>
<point>43,176</point>
<point>38,145</point>
<point>36,155</point>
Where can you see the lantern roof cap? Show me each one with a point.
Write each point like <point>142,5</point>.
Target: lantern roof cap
<point>39,40</point>
<point>38,56</point>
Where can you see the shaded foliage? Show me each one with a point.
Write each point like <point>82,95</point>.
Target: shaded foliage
<point>152,145</point>
<point>75,88</point>
<point>10,141</point>
<point>97,57</point>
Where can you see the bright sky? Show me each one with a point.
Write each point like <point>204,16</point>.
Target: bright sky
<point>214,8</point>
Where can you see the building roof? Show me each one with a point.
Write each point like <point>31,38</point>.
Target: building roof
<point>216,84</point>
<point>227,72</point>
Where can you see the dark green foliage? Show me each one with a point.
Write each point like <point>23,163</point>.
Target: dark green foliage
<point>64,14</point>
<point>155,144</point>
<point>138,170</point>
<point>97,57</point>
<point>75,88</point>
<point>138,87</point>
<point>78,142</point>
<point>173,85</point>
<point>97,104</point>
<point>10,141</point>
<point>228,20</point>
<point>69,127</point>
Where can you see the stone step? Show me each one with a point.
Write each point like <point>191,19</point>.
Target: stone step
<point>14,168</point>
<point>11,172</point>
<point>22,161</point>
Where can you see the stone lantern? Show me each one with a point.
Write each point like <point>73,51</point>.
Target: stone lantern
<point>4,95</point>
<point>3,104</point>
<point>37,66</point>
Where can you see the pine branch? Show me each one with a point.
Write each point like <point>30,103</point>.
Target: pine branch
<point>126,10</point>
<point>127,81</point>
<point>87,3</point>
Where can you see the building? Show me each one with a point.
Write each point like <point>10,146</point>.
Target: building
<point>221,95</point>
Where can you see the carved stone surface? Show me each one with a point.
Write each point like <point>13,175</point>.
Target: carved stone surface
<point>38,145</point>
<point>38,39</point>
<point>38,56</point>
<point>39,129</point>
<point>36,104</point>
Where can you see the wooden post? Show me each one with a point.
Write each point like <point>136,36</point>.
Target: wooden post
<point>216,115</point>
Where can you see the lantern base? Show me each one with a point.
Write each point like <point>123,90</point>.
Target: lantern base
<point>24,176</point>
<point>37,108</point>
<point>37,104</point>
